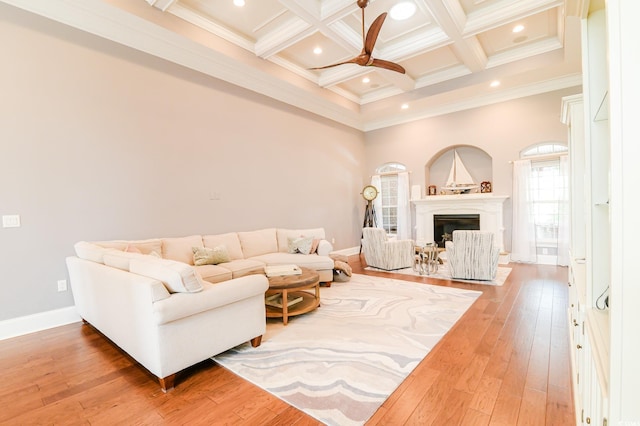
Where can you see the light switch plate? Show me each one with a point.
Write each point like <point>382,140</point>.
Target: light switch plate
<point>11,221</point>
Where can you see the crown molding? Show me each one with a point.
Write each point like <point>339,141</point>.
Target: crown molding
<point>476,102</point>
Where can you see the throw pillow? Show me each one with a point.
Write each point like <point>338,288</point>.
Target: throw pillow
<point>314,245</point>
<point>300,245</point>
<point>210,256</point>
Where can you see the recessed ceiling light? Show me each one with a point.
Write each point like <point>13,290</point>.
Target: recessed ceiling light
<point>518,28</point>
<point>403,10</point>
<point>495,83</point>
<point>405,106</point>
<point>238,3</point>
<point>366,80</point>
<point>317,50</point>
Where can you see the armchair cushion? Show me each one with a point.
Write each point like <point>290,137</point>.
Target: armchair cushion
<point>382,253</point>
<point>472,255</point>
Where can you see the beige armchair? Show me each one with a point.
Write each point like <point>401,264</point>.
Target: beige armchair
<point>382,253</point>
<point>472,255</point>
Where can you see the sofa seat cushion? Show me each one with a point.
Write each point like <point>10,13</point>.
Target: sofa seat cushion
<point>311,261</point>
<point>230,241</point>
<point>256,243</point>
<point>178,277</point>
<point>181,249</point>
<point>213,273</point>
<point>242,267</point>
<point>182,305</point>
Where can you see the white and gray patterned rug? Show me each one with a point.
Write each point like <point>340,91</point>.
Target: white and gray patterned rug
<point>443,274</point>
<point>340,362</point>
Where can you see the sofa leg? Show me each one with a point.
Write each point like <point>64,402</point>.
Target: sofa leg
<point>167,383</point>
<point>255,342</point>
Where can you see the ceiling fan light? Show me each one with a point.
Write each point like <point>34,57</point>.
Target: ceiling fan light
<point>403,10</point>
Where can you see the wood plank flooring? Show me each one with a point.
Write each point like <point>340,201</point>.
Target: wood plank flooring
<point>506,362</point>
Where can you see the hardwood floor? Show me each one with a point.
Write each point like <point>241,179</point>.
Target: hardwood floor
<point>506,362</point>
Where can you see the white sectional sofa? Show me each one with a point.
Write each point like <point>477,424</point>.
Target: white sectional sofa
<point>149,298</point>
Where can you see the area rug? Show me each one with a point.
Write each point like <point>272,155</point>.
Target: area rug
<point>443,274</point>
<point>340,362</point>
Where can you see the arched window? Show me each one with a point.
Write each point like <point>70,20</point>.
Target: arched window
<point>388,173</point>
<point>545,148</point>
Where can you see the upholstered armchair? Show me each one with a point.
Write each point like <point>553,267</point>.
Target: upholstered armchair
<point>472,255</point>
<point>382,253</point>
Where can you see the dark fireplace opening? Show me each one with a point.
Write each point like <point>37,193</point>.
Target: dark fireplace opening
<point>445,224</point>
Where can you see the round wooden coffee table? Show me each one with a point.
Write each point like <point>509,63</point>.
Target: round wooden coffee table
<point>293,288</point>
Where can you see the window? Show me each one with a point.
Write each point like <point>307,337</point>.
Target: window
<point>544,149</point>
<point>389,195</point>
<point>549,198</point>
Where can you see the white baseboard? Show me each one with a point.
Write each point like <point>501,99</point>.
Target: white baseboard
<point>348,251</point>
<point>37,322</point>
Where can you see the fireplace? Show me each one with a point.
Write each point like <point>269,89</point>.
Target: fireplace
<point>445,224</point>
<point>487,206</point>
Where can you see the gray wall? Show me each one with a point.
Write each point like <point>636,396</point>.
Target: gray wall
<point>103,142</point>
<point>501,130</point>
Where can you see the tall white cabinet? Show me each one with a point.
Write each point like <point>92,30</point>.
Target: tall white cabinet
<point>604,146</point>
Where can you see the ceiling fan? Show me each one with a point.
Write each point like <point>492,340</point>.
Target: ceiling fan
<point>364,58</point>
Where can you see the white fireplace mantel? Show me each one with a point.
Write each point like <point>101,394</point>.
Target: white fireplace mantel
<point>487,205</point>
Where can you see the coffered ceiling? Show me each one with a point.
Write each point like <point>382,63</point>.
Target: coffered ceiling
<point>452,50</point>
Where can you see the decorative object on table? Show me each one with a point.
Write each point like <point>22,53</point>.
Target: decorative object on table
<point>426,259</point>
<point>342,361</point>
<point>485,186</point>
<point>281,270</point>
<point>459,180</point>
<point>365,58</point>
<point>432,190</point>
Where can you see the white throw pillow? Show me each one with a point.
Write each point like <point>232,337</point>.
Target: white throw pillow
<point>178,277</point>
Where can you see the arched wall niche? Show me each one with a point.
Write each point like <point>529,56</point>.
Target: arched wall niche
<point>477,161</point>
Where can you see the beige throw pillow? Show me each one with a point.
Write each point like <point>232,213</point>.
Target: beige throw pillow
<point>210,256</point>
<point>300,245</point>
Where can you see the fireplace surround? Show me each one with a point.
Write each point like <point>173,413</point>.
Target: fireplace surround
<point>488,206</point>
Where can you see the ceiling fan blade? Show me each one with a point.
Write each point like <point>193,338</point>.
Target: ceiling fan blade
<point>372,34</point>
<point>350,61</point>
<point>380,63</point>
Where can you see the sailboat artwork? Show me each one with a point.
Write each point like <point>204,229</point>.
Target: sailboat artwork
<point>459,180</point>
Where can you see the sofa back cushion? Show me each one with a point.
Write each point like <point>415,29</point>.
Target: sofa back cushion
<point>181,249</point>
<point>256,243</point>
<point>121,259</point>
<point>283,236</point>
<point>178,277</point>
<point>90,251</point>
<point>230,241</point>
<point>150,246</point>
